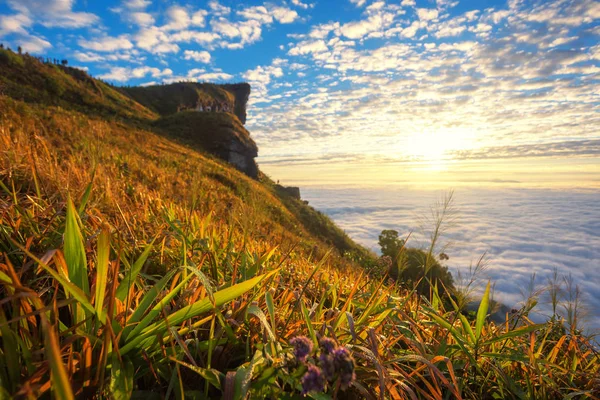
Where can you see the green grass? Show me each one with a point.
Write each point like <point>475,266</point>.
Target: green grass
<point>168,99</point>
<point>132,266</point>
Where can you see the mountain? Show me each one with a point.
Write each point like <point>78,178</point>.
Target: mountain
<point>150,139</point>
<point>143,255</point>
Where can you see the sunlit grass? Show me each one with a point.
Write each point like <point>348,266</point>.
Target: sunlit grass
<point>131,266</point>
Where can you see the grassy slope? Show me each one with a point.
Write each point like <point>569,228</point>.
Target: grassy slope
<point>165,100</point>
<point>217,233</point>
<point>25,79</point>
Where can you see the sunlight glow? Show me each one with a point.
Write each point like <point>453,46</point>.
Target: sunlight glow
<point>435,147</point>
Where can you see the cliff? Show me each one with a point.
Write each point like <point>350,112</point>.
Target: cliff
<point>218,133</point>
<point>216,127</point>
<point>205,115</point>
<point>185,96</point>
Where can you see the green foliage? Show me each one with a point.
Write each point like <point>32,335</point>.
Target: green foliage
<point>390,243</point>
<point>8,58</point>
<point>410,268</point>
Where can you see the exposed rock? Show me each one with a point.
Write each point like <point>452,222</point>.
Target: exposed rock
<point>291,191</point>
<point>241,91</point>
<point>221,134</point>
<point>206,115</point>
<point>187,96</point>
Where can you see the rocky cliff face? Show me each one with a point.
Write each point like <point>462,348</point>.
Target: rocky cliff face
<point>241,91</point>
<point>206,115</point>
<point>219,133</point>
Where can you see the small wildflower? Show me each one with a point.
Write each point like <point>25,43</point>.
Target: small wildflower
<point>327,365</point>
<point>302,347</point>
<point>327,344</point>
<point>313,380</point>
<point>344,365</point>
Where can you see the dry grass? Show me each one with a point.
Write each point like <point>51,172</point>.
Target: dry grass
<point>132,266</point>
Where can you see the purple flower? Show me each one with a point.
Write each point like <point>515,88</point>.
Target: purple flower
<point>327,365</point>
<point>313,380</point>
<point>327,344</point>
<point>344,366</point>
<point>302,347</point>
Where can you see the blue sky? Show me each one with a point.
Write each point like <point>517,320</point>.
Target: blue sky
<point>401,85</point>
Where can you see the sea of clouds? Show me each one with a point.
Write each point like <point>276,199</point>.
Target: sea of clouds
<point>522,231</point>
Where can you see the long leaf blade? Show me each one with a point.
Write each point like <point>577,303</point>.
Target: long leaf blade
<point>482,312</point>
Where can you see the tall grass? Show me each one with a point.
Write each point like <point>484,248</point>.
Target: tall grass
<point>129,271</point>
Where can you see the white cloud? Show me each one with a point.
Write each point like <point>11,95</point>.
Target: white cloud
<point>218,9</point>
<point>178,19</point>
<point>300,4</point>
<point>124,74</point>
<point>33,44</point>
<point>154,40</point>
<point>308,47</point>
<point>427,14</point>
<point>136,4</point>
<point>358,3</point>
<point>214,76</point>
<point>284,15</point>
<point>14,24</point>
<point>142,18</point>
<point>411,31</point>
<point>54,13</point>
<point>107,43</point>
<point>199,56</point>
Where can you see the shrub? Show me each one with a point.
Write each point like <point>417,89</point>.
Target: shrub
<point>414,266</point>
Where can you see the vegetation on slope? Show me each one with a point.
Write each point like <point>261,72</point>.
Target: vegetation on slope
<point>124,129</point>
<point>211,128</point>
<point>167,100</point>
<point>28,79</point>
<point>151,270</point>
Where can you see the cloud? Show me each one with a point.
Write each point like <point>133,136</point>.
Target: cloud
<point>179,18</point>
<point>124,74</point>
<point>14,24</point>
<point>308,47</point>
<point>154,40</point>
<point>199,56</point>
<point>54,13</point>
<point>136,4</point>
<point>427,14</point>
<point>522,230</point>
<point>107,44</point>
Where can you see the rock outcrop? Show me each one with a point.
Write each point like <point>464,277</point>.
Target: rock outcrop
<point>219,133</point>
<point>241,91</point>
<point>205,115</point>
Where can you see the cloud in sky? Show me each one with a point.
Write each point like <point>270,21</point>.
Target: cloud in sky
<point>376,79</point>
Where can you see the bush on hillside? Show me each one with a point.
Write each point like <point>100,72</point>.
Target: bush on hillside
<point>411,265</point>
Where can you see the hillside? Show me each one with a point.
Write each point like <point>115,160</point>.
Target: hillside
<point>137,263</point>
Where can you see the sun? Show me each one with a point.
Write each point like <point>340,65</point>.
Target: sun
<point>436,148</point>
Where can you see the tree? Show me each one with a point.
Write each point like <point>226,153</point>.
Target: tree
<point>19,50</point>
<point>64,62</point>
<point>390,243</point>
<point>411,268</point>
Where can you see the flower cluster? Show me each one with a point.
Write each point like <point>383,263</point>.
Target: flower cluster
<point>334,364</point>
<point>302,347</point>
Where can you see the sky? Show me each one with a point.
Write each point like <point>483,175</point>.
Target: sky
<point>362,90</point>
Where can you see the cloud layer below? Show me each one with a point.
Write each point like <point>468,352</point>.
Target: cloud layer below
<point>522,231</point>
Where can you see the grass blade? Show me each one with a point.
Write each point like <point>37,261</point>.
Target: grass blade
<point>75,250</point>
<point>102,271</point>
<point>482,312</point>
<point>128,282</point>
